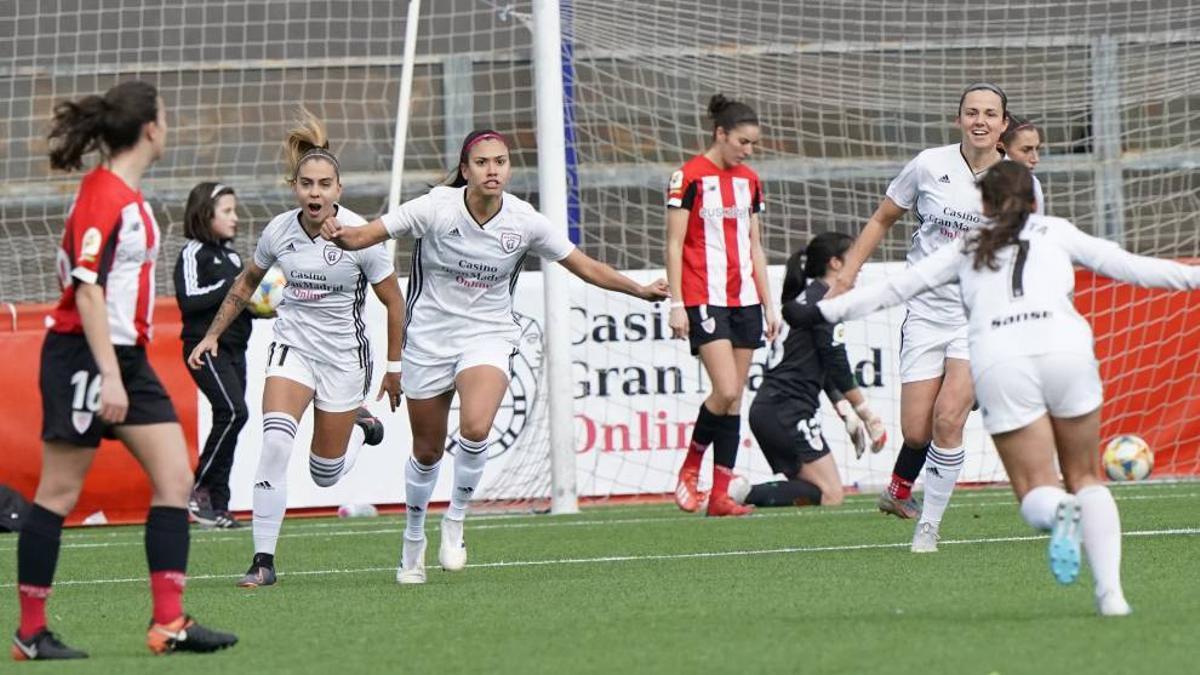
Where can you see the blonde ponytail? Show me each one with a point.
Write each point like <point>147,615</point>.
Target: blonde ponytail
<point>307,140</point>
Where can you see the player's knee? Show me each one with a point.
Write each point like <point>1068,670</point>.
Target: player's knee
<point>426,451</point>
<point>474,431</point>
<point>172,488</point>
<point>948,425</point>
<point>58,495</point>
<point>726,400</point>
<point>832,494</point>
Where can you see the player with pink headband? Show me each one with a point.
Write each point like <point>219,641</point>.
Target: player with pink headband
<point>471,241</point>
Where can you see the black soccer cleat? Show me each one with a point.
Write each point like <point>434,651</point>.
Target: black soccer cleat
<point>43,646</point>
<point>371,426</point>
<point>261,572</point>
<point>224,520</point>
<point>185,635</point>
<point>200,508</point>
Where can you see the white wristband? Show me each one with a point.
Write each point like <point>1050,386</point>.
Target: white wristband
<point>393,366</point>
<point>677,305</point>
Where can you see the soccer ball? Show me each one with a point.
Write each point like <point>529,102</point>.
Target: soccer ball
<point>1127,457</point>
<point>268,295</point>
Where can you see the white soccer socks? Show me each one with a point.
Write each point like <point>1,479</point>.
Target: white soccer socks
<point>327,471</point>
<point>941,473</point>
<point>419,481</point>
<point>1102,542</point>
<point>468,471</point>
<point>1039,504</point>
<point>270,480</point>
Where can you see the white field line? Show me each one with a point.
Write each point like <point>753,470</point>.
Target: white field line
<point>1189,531</point>
<point>531,522</point>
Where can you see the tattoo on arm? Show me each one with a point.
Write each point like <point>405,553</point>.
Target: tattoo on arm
<point>235,301</point>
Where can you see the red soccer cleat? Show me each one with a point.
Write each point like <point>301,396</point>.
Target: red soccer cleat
<point>688,495</point>
<point>723,505</point>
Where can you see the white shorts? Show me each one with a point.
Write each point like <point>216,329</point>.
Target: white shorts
<point>1013,393</point>
<point>334,390</point>
<point>422,378</point>
<point>925,345</point>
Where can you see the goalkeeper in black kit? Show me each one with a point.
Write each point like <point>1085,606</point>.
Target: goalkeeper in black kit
<point>785,416</point>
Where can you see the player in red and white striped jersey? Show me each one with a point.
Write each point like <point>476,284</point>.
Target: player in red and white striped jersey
<point>720,295</point>
<point>95,379</point>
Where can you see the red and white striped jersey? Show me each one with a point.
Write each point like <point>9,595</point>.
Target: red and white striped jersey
<point>111,239</point>
<point>717,266</point>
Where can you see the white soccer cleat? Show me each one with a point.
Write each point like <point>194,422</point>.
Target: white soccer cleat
<point>925,539</point>
<point>1113,604</point>
<point>412,562</point>
<point>739,489</point>
<point>452,552</point>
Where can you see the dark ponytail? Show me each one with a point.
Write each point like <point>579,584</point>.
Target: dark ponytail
<point>110,123</point>
<point>728,114</point>
<point>812,262</point>
<point>455,177</point>
<point>1007,191</point>
<point>200,209</point>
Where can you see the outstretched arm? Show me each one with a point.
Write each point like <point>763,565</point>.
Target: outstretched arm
<point>1108,259</point>
<point>354,238</point>
<point>599,274</point>
<point>936,270</point>
<point>868,240</point>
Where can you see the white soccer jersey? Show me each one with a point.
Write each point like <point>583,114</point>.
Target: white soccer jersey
<point>1039,197</point>
<point>464,273</point>
<point>322,310</point>
<point>938,186</point>
<point>1025,307</point>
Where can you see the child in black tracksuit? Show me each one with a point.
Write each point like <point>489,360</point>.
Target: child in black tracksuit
<point>205,270</point>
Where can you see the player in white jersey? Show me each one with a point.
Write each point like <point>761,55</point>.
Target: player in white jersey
<point>935,381</point>
<point>1022,142</point>
<point>472,239</point>
<point>1033,363</point>
<point>321,354</point>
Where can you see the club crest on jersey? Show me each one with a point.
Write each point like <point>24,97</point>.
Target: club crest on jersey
<point>509,241</point>
<point>709,324</point>
<point>332,254</point>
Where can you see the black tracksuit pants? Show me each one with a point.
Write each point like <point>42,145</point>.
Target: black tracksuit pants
<point>222,379</point>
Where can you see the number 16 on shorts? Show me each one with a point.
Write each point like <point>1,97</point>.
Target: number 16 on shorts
<point>85,400</point>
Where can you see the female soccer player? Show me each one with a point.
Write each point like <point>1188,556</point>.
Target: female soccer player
<point>719,290</point>
<point>321,354</point>
<point>1022,142</point>
<point>935,382</point>
<point>1032,361</point>
<point>785,415</point>
<point>206,268</point>
<point>95,379</point>
<point>472,239</point>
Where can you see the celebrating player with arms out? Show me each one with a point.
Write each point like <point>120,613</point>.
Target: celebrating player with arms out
<point>321,355</point>
<point>1033,361</point>
<point>935,379</point>
<point>472,239</point>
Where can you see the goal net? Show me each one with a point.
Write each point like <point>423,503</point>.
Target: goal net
<point>848,92</point>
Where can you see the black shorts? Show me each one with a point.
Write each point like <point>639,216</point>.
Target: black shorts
<point>70,386</point>
<point>788,432</point>
<point>742,326</point>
